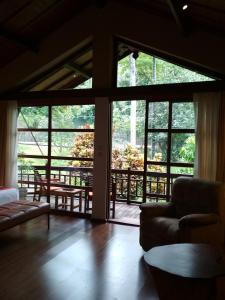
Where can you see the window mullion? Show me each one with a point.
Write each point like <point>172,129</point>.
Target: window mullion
<point>169,149</point>
<point>48,169</point>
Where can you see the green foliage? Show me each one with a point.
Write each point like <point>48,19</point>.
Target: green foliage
<point>83,148</point>
<point>187,152</point>
<point>165,72</point>
<point>121,123</point>
<point>25,164</point>
<point>33,117</point>
<point>130,157</point>
<point>183,115</point>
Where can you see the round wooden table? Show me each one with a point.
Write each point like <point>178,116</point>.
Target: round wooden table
<point>185,271</point>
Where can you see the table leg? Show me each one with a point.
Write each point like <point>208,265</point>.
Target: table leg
<point>64,202</point>
<point>56,202</point>
<point>85,203</point>
<point>71,203</point>
<point>80,201</point>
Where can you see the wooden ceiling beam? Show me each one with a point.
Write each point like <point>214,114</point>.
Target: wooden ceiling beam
<point>54,83</point>
<point>77,69</point>
<point>54,69</point>
<point>15,38</point>
<point>179,15</point>
<point>74,82</point>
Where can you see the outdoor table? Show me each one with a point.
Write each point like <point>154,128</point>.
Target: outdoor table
<point>65,194</point>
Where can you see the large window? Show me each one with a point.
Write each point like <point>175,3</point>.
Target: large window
<point>56,141</point>
<point>170,145</point>
<point>141,69</point>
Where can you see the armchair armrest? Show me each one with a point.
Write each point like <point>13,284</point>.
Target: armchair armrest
<point>195,220</point>
<point>152,210</point>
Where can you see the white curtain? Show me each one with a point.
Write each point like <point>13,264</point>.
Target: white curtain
<point>207,117</point>
<point>11,144</point>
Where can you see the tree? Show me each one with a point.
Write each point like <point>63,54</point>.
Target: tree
<point>133,108</point>
<point>150,70</point>
<point>187,152</point>
<point>83,148</point>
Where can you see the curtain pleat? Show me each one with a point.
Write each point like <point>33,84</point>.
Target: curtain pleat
<point>207,108</point>
<point>3,137</point>
<point>220,174</point>
<point>8,145</point>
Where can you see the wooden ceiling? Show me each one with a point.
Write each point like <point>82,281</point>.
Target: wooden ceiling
<point>25,23</point>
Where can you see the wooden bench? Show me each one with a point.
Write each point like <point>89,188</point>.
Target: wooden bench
<point>17,212</point>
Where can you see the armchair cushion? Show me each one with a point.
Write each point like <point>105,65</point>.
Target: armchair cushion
<point>194,196</point>
<point>194,220</point>
<point>158,229</point>
<point>157,209</point>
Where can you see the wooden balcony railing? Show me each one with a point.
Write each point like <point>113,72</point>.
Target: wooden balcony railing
<point>129,183</point>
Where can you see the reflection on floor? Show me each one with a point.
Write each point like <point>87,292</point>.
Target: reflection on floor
<point>75,259</point>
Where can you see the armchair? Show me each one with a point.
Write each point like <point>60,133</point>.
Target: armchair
<point>194,214</point>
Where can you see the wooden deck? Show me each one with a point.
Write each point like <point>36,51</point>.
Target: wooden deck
<point>128,214</point>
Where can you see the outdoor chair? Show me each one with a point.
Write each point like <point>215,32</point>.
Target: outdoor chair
<point>89,194</point>
<point>41,187</point>
<point>195,214</point>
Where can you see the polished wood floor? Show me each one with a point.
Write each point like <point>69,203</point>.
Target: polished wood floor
<point>74,260</point>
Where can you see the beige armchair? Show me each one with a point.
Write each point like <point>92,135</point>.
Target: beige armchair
<point>194,214</point>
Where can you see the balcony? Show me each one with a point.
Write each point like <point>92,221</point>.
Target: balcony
<point>129,187</point>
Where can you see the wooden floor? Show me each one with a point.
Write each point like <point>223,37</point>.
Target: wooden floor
<point>74,260</point>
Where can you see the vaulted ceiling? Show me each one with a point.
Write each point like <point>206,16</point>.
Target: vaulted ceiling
<point>27,30</point>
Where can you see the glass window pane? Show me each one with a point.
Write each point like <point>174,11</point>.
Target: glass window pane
<point>33,117</point>
<point>33,143</point>
<point>73,144</point>
<point>68,165</point>
<point>157,146</point>
<point>26,168</point>
<point>73,116</point>
<point>124,125</point>
<point>151,70</point>
<point>156,185</point>
<point>182,170</point>
<point>158,115</point>
<point>183,147</point>
<point>128,134</point>
<point>30,163</point>
<point>128,157</point>
<point>156,168</point>
<point>183,116</point>
<point>85,85</point>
